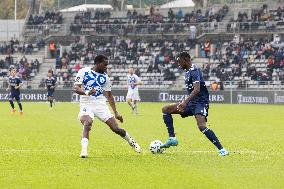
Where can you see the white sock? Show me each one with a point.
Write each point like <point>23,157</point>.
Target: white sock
<point>127,137</point>
<point>84,143</point>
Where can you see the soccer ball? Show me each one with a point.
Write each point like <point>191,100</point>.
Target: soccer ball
<point>155,147</point>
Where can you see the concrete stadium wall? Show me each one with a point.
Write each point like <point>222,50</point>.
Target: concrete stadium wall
<point>223,97</point>
<point>11,28</point>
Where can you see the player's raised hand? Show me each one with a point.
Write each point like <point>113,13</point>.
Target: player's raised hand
<point>119,117</point>
<point>181,106</point>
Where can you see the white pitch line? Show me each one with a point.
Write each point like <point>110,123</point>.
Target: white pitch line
<point>231,151</point>
<point>25,150</point>
<point>193,151</point>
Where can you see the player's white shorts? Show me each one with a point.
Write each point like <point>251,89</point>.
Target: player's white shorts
<point>98,109</point>
<point>133,95</point>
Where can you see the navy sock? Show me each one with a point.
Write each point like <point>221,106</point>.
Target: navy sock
<point>12,104</point>
<point>20,106</point>
<point>212,137</point>
<point>168,120</point>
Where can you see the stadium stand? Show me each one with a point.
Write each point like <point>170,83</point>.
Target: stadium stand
<point>251,63</point>
<point>155,60</point>
<point>247,62</point>
<point>45,24</point>
<point>27,67</point>
<point>14,46</point>
<point>263,19</point>
<point>102,22</point>
<point>24,56</point>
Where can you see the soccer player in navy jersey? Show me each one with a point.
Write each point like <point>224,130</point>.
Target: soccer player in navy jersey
<point>15,83</point>
<point>196,104</point>
<point>50,82</point>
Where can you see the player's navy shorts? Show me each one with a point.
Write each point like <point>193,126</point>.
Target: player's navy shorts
<point>194,109</point>
<point>15,96</point>
<point>50,93</point>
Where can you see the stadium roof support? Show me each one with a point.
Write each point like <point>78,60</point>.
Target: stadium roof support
<point>178,4</point>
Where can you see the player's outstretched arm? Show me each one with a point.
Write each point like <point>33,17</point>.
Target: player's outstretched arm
<point>111,102</point>
<point>196,90</point>
<point>138,83</point>
<point>77,89</point>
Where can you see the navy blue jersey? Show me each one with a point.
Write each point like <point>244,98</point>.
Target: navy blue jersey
<point>50,82</point>
<point>192,76</point>
<point>14,82</point>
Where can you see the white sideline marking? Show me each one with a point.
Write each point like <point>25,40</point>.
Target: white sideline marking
<point>193,151</point>
<point>25,150</point>
<point>230,151</point>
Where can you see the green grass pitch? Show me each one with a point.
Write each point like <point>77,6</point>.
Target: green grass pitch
<point>41,149</point>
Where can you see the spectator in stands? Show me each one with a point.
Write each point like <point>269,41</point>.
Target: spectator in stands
<point>169,75</point>
<point>171,15</point>
<point>137,72</point>
<point>58,48</point>
<point>52,48</point>
<point>77,67</point>
<point>207,48</point>
<point>193,30</point>
<point>180,14</point>
<point>270,63</point>
<point>214,86</point>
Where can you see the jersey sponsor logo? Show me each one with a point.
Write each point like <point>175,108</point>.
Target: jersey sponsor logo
<point>131,81</point>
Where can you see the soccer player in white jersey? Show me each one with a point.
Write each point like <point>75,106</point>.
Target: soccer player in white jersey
<point>133,81</point>
<point>92,84</point>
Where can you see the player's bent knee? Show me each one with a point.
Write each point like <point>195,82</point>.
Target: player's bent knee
<point>87,127</point>
<point>86,121</point>
<point>87,124</point>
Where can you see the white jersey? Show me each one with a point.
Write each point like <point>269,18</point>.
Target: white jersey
<point>89,80</point>
<point>131,79</point>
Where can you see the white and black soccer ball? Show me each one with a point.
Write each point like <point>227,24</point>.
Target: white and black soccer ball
<point>155,147</point>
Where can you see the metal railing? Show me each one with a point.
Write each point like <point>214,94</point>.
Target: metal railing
<point>253,85</point>
<point>243,27</point>
<point>156,28</point>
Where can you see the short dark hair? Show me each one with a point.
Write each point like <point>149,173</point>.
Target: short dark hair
<point>100,58</point>
<point>184,55</point>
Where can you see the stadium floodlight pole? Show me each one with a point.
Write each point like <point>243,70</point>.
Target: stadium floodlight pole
<point>15,10</point>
